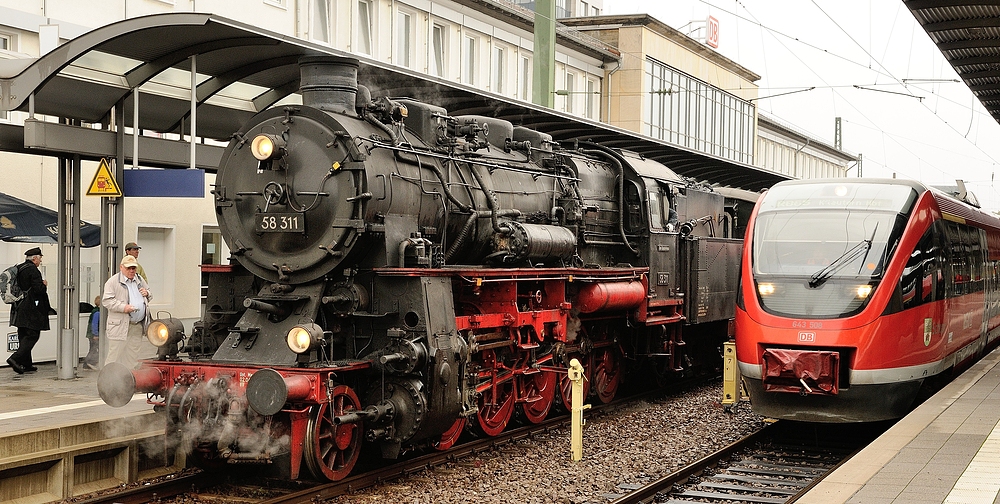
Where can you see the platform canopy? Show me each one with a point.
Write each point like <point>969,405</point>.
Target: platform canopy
<point>968,34</point>
<point>241,70</point>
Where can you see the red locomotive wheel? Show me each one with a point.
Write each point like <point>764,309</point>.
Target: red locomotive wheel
<point>450,436</point>
<point>607,374</point>
<point>538,391</point>
<point>496,407</point>
<point>332,450</point>
<point>566,385</point>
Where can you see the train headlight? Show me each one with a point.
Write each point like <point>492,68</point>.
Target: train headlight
<point>304,337</point>
<point>765,289</point>
<point>265,147</point>
<point>862,291</point>
<point>165,334</point>
<point>162,331</point>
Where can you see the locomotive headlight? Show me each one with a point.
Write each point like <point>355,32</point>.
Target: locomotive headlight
<point>165,334</point>
<point>303,337</point>
<point>266,146</point>
<point>765,289</point>
<point>862,291</point>
<point>163,331</point>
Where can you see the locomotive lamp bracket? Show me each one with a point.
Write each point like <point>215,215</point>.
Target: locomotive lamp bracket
<point>250,334</point>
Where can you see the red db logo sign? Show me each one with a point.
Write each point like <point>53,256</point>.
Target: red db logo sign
<point>807,337</point>
<point>712,32</point>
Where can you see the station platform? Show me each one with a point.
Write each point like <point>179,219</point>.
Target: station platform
<point>946,451</point>
<point>58,439</point>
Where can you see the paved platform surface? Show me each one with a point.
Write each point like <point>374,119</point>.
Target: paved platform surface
<point>35,400</point>
<point>945,451</point>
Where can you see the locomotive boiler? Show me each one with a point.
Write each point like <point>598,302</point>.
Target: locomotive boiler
<point>417,275</point>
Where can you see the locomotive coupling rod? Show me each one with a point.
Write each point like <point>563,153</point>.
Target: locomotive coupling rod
<point>575,373</point>
<point>369,414</point>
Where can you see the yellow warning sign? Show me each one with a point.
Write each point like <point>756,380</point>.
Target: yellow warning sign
<point>104,183</point>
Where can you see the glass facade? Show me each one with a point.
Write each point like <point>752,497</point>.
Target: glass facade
<point>689,112</point>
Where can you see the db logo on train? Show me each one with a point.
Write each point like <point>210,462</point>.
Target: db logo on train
<point>807,337</point>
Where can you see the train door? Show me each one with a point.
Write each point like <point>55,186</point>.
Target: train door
<point>663,241</point>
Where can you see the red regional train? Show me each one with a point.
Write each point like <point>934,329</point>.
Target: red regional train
<point>856,293</point>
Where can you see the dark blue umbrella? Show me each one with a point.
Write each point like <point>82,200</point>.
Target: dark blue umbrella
<point>25,222</point>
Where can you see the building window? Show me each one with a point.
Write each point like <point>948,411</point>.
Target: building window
<point>403,44</point>
<point>570,89</point>
<point>498,69</point>
<point>524,86</point>
<point>276,3</point>
<point>592,96</point>
<point>365,27</point>
<point>564,8</point>
<point>584,8</point>
<point>469,61</point>
<point>6,42</point>
<point>597,12</point>
<point>686,111</point>
<point>321,20</point>
<point>439,42</point>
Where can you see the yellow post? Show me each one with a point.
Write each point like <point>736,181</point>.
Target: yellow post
<point>730,375</point>
<point>575,373</point>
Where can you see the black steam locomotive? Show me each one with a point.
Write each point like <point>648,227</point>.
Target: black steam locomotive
<point>415,275</point>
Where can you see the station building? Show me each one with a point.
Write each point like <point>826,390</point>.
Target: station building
<point>675,88</point>
<point>630,71</point>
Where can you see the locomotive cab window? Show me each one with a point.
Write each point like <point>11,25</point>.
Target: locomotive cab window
<point>662,216</point>
<point>633,204</point>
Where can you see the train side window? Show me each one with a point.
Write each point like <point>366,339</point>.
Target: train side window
<point>918,283</point>
<point>943,260</point>
<point>959,260</point>
<point>978,259</point>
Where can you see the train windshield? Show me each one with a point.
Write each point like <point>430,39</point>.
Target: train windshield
<point>819,250</point>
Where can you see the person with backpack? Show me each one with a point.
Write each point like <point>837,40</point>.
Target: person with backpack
<point>31,314</point>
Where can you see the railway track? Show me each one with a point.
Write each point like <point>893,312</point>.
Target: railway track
<point>205,486</point>
<point>773,466</point>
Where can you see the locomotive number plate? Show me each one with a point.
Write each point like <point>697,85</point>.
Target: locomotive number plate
<point>280,223</point>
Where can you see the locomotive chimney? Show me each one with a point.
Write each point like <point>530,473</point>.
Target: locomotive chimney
<point>329,83</point>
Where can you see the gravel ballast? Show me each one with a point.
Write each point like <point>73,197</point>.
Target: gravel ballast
<point>640,442</point>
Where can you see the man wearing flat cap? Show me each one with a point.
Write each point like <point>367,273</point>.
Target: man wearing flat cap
<point>31,314</point>
<point>132,249</point>
<point>126,297</point>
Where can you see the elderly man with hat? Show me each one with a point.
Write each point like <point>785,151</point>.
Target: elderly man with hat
<point>31,314</point>
<point>132,249</point>
<point>126,297</point>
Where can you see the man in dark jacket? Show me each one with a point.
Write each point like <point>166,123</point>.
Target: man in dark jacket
<point>31,314</point>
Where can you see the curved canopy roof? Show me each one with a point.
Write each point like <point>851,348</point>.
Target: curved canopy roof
<point>968,34</point>
<point>241,70</point>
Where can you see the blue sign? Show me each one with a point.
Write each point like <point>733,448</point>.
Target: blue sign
<point>162,183</point>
